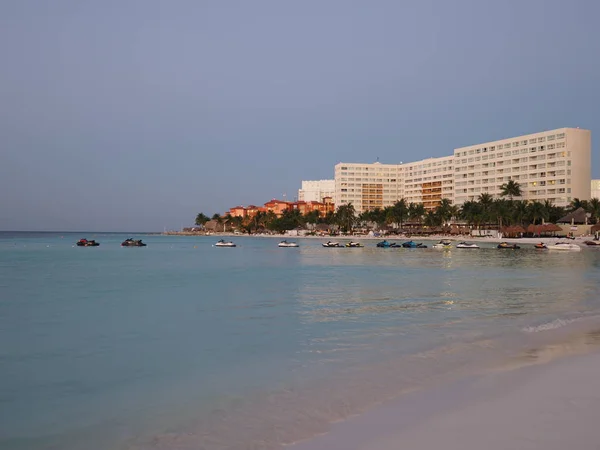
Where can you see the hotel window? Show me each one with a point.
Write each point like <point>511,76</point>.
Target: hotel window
<point>524,142</point>
<point>551,137</point>
<point>542,139</point>
<point>515,144</point>
<point>560,136</point>
<point>532,141</point>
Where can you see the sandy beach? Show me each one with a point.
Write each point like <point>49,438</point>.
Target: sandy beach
<point>397,238</point>
<point>550,406</point>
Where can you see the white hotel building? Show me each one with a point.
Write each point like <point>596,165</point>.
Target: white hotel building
<point>316,191</point>
<point>551,165</point>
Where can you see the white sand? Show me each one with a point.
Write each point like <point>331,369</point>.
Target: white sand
<point>553,406</point>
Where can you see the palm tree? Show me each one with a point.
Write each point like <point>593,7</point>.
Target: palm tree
<point>312,216</point>
<point>226,220</point>
<point>237,222</point>
<point>445,211</point>
<point>432,218</point>
<point>536,211</point>
<point>511,189</point>
<point>519,210</point>
<point>576,204</point>
<point>416,211</point>
<point>217,218</point>
<point>502,211</point>
<point>201,219</point>
<point>471,212</point>
<point>486,201</point>
<point>594,209</point>
<point>399,211</point>
<point>345,217</point>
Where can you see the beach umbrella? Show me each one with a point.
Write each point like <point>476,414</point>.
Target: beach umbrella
<point>551,228</point>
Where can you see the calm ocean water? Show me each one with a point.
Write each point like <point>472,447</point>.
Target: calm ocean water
<point>181,345</point>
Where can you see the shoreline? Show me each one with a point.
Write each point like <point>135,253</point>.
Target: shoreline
<point>437,237</point>
<point>548,405</point>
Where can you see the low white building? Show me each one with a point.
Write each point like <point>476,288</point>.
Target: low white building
<point>315,191</point>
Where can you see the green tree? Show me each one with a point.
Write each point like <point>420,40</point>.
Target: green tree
<point>576,204</point>
<point>312,216</point>
<point>519,212</point>
<point>201,219</point>
<point>345,217</point>
<point>593,207</point>
<point>445,211</point>
<point>433,218</point>
<point>399,212</point>
<point>536,211</point>
<point>486,202</point>
<point>471,212</point>
<point>237,222</point>
<point>511,189</point>
<point>416,211</point>
<point>502,212</point>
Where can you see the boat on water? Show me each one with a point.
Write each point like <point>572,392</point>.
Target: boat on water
<point>412,244</point>
<point>592,243</point>
<point>443,244</point>
<point>87,243</point>
<point>331,244</point>
<point>353,244</point>
<point>565,247</point>
<point>541,246</point>
<point>288,244</point>
<point>132,243</point>
<point>508,246</point>
<point>387,244</point>
<point>466,245</point>
<point>224,243</point>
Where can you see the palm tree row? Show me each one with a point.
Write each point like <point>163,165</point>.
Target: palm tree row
<point>486,211</point>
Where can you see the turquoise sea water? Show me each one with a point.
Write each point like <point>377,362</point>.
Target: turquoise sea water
<point>183,345</point>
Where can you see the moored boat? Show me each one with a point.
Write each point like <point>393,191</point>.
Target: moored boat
<point>565,247</point>
<point>592,243</point>
<point>508,246</point>
<point>466,245</point>
<point>443,244</point>
<point>387,244</point>
<point>132,243</point>
<point>330,244</point>
<point>223,243</point>
<point>288,244</point>
<point>353,244</point>
<point>412,244</point>
<point>87,243</point>
<point>541,246</point>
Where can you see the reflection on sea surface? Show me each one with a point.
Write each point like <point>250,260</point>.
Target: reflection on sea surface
<point>182,345</point>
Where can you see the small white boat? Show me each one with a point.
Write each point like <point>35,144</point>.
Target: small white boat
<point>443,244</point>
<point>565,247</point>
<point>288,244</point>
<point>353,244</point>
<point>331,244</point>
<point>223,243</point>
<point>466,245</point>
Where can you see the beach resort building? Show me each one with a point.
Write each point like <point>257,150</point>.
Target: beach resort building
<point>550,165</point>
<point>368,186</point>
<point>278,207</point>
<point>595,189</point>
<point>316,191</point>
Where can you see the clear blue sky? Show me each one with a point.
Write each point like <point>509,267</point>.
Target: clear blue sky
<point>136,115</point>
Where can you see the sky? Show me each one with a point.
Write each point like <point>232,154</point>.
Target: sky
<point>135,115</point>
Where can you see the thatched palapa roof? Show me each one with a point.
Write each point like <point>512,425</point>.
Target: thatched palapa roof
<point>579,216</point>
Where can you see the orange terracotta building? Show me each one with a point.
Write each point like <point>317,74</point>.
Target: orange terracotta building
<point>278,207</point>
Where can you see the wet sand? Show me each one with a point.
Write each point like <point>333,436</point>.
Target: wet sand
<point>549,406</point>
